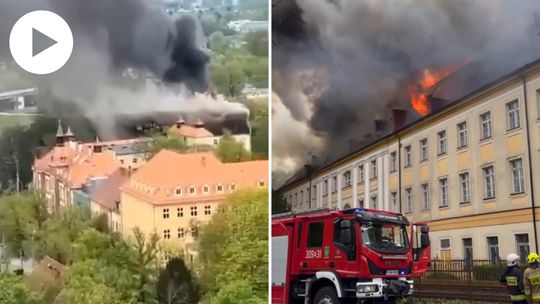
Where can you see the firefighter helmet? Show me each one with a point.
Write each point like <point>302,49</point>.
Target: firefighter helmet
<point>512,259</point>
<point>533,258</point>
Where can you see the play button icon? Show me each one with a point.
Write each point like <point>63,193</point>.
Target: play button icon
<point>41,42</point>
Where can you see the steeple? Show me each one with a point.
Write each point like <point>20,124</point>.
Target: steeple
<point>59,134</point>
<point>69,134</point>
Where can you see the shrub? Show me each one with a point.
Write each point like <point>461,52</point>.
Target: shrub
<point>487,272</point>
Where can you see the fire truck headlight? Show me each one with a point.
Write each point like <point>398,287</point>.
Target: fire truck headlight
<point>367,288</point>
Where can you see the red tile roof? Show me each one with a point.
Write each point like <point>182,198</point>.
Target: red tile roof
<point>190,131</point>
<point>108,193</point>
<point>159,179</point>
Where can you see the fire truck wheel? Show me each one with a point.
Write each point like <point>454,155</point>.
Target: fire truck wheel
<point>326,295</point>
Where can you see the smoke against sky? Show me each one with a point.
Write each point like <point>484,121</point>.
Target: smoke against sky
<point>338,65</point>
<point>110,39</point>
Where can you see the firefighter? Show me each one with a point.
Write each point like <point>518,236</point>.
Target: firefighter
<point>512,277</point>
<point>531,279</point>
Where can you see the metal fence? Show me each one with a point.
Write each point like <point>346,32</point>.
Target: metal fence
<point>461,281</point>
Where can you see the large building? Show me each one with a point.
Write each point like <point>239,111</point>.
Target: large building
<point>471,169</point>
<point>173,194</point>
<point>70,171</point>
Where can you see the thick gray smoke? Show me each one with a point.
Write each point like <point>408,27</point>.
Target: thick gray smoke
<point>338,65</point>
<point>114,42</point>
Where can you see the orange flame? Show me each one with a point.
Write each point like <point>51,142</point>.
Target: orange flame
<point>418,92</point>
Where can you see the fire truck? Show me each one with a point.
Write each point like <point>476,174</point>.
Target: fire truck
<point>346,256</point>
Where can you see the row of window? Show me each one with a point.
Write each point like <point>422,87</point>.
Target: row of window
<point>489,187</point>
<point>486,132</point>
<point>178,191</point>
<point>521,241</point>
<point>192,211</point>
<point>182,233</point>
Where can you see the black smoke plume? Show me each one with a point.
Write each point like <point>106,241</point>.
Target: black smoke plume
<point>339,65</point>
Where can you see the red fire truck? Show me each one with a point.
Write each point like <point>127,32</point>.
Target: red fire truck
<point>346,256</point>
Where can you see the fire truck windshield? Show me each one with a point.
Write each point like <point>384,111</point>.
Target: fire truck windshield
<point>385,237</point>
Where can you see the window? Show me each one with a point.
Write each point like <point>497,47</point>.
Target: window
<point>446,250</point>
<point>135,160</point>
<point>485,125</point>
<point>193,210</point>
<point>361,173</point>
<point>518,184</point>
<point>464,188</point>
<point>408,193</point>
<point>178,191</point>
<point>166,234</point>
<point>393,196</point>
<point>346,179</point>
<point>192,190</point>
<point>194,231</point>
<point>463,137</point>
<point>423,149</point>
<point>442,142</point>
<point>408,156</point>
<point>314,192</point>
<point>296,198</point>
<point>489,182</point>
<point>468,252</point>
<point>443,183</point>
<point>325,187</point>
<point>374,202</point>
<point>233,187</point>
<point>219,188</point>
<point>206,189</point>
<point>261,184</point>
<point>374,168</point>
<point>315,234</point>
<point>522,247</point>
<point>425,197</point>
<point>207,210</point>
<point>334,184</point>
<point>121,161</point>
<point>393,161</point>
<point>512,115</point>
<point>180,212</point>
<point>181,233</point>
<point>166,213</point>
<point>493,249</point>
<point>301,197</point>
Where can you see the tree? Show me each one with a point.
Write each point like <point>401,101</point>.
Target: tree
<point>230,150</point>
<point>217,42</point>
<point>233,250</point>
<point>14,291</point>
<point>257,43</point>
<point>143,262</point>
<point>176,284</point>
<point>161,142</point>
<point>279,204</point>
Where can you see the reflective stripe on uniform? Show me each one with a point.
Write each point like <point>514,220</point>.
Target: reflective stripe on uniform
<point>511,281</point>
<point>535,279</point>
<point>520,297</point>
<point>536,296</point>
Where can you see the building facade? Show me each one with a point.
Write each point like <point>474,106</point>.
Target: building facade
<point>174,194</point>
<point>470,169</point>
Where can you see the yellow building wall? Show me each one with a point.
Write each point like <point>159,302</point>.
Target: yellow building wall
<point>136,213</point>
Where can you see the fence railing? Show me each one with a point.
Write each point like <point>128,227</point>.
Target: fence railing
<point>464,281</point>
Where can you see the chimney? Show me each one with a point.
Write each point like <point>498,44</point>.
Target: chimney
<point>307,169</point>
<point>379,127</point>
<point>399,116</point>
<point>199,124</point>
<point>180,122</point>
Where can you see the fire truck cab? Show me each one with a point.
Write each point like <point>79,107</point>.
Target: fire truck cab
<point>346,256</point>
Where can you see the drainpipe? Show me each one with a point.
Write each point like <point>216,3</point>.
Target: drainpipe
<point>399,171</point>
<point>533,207</point>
